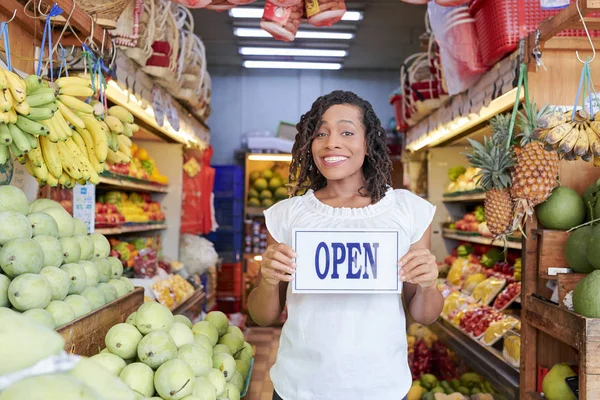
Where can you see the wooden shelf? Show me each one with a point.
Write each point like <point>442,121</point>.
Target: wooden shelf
<point>130,229</point>
<point>190,303</point>
<point>485,360</point>
<point>562,324</point>
<point>85,335</point>
<point>131,185</point>
<point>534,396</point>
<point>255,211</point>
<point>483,240</point>
<point>465,198</point>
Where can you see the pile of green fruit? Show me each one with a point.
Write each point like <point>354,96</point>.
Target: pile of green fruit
<point>469,384</point>
<point>266,188</point>
<point>157,354</point>
<point>51,269</point>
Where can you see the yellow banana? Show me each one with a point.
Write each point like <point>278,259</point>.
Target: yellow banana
<point>594,138</point>
<point>75,104</point>
<point>583,144</point>
<point>114,157</point>
<point>73,80</point>
<point>539,134</point>
<point>74,148</point>
<point>4,118</point>
<point>52,130</point>
<point>98,135</point>
<point>29,168</point>
<point>16,85</point>
<point>89,146</point>
<point>80,160</point>
<point>76,91</point>
<point>552,120</point>
<point>79,142</point>
<point>12,116</point>
<point>114,124</point>
<point>124,157</point>
<point>40,172</point>
<point>6,100</point>
<point>51,156</point>
<point>69,115</point>
<point>22,108</point>
<point>127,130</point>
<point>121,113</point>
<point>3,80</point>
<point>51,180</point>
<point>66,181</point>
<point>36,157</point>
<point>568,142</point>
<point>68,161</point>
<point>63,124</point>
<point>558,133</point>
<point>134,127</point>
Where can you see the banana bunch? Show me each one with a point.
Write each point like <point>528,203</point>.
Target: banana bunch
<point>571,138</point>
<point>119,126</point>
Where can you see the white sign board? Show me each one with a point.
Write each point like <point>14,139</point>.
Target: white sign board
<point>84,204</point>
<point>346,261</point>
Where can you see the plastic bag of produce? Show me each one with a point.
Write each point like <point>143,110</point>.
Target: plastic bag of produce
<point>281,22</point>
<point>455,33</point>
<point>197,253</point>
<point>220,5</point>
<point>324,12</point>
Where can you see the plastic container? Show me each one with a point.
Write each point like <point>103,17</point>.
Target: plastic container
<point>281,22</point>
<point>229,181</point>
<point>502,23</point>
<point>229,281</point>
<point>219,5</point>
<point>324,12</point>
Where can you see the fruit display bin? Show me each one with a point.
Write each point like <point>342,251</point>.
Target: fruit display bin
<point>85,336</point>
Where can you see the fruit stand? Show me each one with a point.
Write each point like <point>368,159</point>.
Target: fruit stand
<point>551,339</point>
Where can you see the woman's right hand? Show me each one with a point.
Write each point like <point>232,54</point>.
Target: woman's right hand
<point>277,264</point>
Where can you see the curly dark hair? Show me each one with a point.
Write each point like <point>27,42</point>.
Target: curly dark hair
<point>377,166</point>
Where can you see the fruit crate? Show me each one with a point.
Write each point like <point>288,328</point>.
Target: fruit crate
<point>85,336</point>
<point>551,252</point>
<point>229,282</point>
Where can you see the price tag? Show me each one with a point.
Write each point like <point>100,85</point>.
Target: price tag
<point>346,261</point>
<point>158,106</point>
<point>84,204</point>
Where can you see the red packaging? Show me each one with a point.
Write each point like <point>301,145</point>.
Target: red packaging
<point>324,12</point>
<point>193,3</point>
<point>220,5</point>
<point>281,22</point>
<point>451,3</point>
<point>241,2</point>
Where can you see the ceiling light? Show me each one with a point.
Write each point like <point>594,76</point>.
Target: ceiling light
<point>290,52</point>
<point>255,13</point>
<point>291,65</point>
<point>257,32</point>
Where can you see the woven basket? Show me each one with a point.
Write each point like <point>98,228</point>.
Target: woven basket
<point>143,49</point>
<point>105,12</point>
<point>127,32</point>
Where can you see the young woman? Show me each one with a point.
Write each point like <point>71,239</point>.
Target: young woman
<point>345,346</point>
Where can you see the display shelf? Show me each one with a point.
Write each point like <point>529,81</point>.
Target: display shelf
<point>131,229</point>
<point>484,360</point>
<point>483,240</point>
<point>126,183</point>
<point>190,303</point>
<point>85,335</point>
<point>534,396</point>
<point>464,198</point>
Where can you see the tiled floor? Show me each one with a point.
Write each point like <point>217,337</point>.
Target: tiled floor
<point>266,341</point>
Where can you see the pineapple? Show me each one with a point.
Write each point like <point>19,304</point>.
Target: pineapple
<point>495,162</point>
<point>536,169</point>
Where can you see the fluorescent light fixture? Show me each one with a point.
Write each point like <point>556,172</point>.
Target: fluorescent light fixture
<point>461,124</point>
<point>283,51</point>
<point>270,157</point>
<point>257,32</point>
<point>291,65</point>
<point>255,13</point>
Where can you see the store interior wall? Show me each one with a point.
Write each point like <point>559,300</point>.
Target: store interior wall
<point>246,100</point>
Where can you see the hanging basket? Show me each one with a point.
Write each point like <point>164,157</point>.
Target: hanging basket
<point>127,32</point>
<point>143,49</point>
<point>163,60</point>
<point>107,12</point>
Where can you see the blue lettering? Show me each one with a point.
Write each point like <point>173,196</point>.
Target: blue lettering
<point>338,258</point>
<point>322,246</point>
<point>353,253</point>
<point>369,258</point>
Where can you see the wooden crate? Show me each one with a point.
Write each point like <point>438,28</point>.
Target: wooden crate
<point>566,283</point>
<point>551,251</point>
<point>85,336</point>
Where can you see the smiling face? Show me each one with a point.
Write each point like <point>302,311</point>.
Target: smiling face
<point>339,146</point>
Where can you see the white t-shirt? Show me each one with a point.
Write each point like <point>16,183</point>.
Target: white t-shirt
<point>345,346</point>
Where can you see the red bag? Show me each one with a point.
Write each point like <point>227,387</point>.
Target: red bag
<point>219,5</point>
<point>193,3</point>
<point>286,3</point>
<point>281,22</point>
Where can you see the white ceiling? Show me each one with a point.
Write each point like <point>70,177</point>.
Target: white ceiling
<point>388,33</point>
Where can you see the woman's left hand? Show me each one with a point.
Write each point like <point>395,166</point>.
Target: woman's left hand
<point>419,266</point>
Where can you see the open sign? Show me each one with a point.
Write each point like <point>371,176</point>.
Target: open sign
<point>346,261</point>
